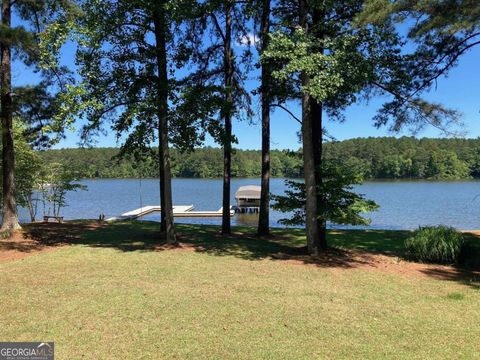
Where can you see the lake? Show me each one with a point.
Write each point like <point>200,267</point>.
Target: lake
<point>403,204</point>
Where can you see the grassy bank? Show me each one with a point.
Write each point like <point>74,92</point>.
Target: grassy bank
<point>117,293</point>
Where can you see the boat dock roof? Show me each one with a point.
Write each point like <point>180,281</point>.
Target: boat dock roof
<point>248,192</point>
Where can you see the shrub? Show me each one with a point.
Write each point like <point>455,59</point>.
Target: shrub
<point>7,234</point>
<point>437,244</point>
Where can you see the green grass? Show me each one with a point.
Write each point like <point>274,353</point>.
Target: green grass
<point>456,296</point>
<point>111,296</point>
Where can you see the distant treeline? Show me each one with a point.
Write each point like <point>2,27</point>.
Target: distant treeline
<point>376,158</point>
<point>410,158</point>
<point>202,163</point>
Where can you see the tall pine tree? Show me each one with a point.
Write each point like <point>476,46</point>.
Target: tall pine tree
<point>23,41</point>
<point>221,58</point>
<point>337,62</point>
<point>127,67</point>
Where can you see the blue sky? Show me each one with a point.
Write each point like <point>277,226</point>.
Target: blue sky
<point>459,91</point>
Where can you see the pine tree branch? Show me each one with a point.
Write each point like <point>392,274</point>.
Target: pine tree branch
<point>288,111</point>
<point>217,26</point>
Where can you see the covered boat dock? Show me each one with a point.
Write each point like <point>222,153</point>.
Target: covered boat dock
<point>248,199</point>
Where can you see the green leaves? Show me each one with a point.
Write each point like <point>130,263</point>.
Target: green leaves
<point>440,33</point>
<point>445,17</point>
<point>336,64</point>
<point>17,37</point>
<point>118,64</point>
<point>341,204</point>
<point>28,166</point>
<point>57,181</point>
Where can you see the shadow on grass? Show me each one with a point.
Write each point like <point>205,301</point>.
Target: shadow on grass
<point>146,236</point>
<point>464,276</point>
<point>283,244</point>
<point>121,236</point>
<point>243,243</point>
<point>24,245</point>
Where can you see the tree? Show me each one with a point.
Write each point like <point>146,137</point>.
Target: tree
<point>327,84</point>
<point>342,205</point>
<point>10,216</point>
<point>312,133</point>
<point>217,82</point>
<point>161,30</point>
<point>36,107</point>
<point>374,157</point>
<point>441,32</point>
<point>57,181</point>
<point>226,35</point>
<point>25,42</point>
<point>337,62</point>
<point>29,167</point>
<point>265,90</point>
<point>126,71</point>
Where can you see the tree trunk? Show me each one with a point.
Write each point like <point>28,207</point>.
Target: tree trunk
<point>162,113</point>
<point>10,215</point>
<point>311,206</point>
<point>227,114</point>
<point>316,111</point>
<point>264,217</point>
<point>317,139</point>
<point>161,176</point>
<point>32,209</point>
<point>311,210</point>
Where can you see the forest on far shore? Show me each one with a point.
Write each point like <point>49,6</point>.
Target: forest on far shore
<point>375,158</point>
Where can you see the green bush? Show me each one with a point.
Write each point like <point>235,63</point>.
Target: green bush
<point>7,234</point>
<point>437,244</point>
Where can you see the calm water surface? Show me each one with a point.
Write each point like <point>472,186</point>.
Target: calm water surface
<point>403,204</point>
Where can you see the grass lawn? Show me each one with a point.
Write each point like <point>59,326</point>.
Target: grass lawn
<point>116,294</point>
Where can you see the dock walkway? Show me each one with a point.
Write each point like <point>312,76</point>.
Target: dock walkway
<point>178,211</point>
<point>145,210</point>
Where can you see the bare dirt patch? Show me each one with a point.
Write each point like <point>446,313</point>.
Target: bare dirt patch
<point>19,246</point>
<point>42,237</point>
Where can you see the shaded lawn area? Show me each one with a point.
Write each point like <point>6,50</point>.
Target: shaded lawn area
<point>144,236</point>
<point>119,293</point>
<point>136,235</point>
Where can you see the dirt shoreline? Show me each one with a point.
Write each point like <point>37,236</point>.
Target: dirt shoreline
<point>18,247</point>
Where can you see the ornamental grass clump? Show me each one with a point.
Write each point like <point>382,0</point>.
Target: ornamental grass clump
<point>436,244</point>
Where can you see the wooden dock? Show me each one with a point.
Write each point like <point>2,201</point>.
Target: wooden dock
<point>178,211</point>
<point>191,213</point>
<point>145,210</point>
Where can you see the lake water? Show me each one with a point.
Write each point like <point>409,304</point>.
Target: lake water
<point>403,204</point>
